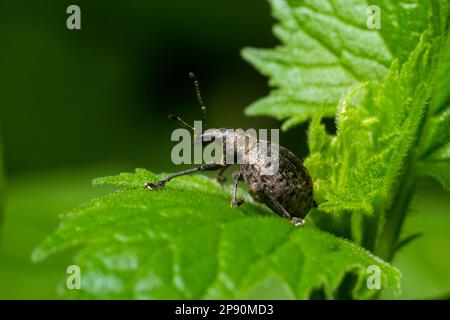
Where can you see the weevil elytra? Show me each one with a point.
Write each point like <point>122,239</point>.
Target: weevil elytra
<point>288,192</point>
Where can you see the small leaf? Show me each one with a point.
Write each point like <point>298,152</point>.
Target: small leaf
<point>437,135</point>
<point>407,240</point>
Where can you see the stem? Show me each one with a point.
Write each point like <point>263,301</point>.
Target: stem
<point>370,227</point>
<point>395,215</point>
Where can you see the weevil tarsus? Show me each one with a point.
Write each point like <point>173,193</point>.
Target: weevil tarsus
<point>297,222</point>
<point>281,211</point>
<point>235,202</point>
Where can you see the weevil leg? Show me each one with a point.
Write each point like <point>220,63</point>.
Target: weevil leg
<point>281,211</point>
<point>203,167</point>
<point>220,177</point>
<point>235,202</point>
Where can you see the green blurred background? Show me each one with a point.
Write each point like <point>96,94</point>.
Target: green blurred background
<point>77,104</point>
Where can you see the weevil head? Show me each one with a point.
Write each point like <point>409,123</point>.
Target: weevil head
<point>236,138</point>
<point>237,146</point>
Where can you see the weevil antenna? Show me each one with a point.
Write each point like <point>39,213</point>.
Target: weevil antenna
<point>176,118</point>
<point>199,98</point>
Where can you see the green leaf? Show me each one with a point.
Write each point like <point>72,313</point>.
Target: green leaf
<point>356,171</point>
<point>357,167</point>
<point>185,241</point>
<point>383,143</point>
<point>327,48</point>
<point>440,171</point>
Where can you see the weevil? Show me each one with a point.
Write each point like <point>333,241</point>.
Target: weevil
<point>288,192</point>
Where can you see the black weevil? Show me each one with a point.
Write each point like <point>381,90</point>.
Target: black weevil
<point>288,192</point>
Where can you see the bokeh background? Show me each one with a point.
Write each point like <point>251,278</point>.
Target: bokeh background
<point>77,104</point>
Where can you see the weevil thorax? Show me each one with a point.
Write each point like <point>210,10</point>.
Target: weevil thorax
<point>235,143</point>
<point>239,144</point>
<point>242,147</point>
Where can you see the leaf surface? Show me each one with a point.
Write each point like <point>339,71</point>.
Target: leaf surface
<point>327,48</point>
<point>185,241</point>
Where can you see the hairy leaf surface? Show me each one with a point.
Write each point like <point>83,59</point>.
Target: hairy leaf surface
<point>327,48</point>
<point>185,241</point>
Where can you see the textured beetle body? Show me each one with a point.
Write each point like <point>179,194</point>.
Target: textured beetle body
<point>291,185</point>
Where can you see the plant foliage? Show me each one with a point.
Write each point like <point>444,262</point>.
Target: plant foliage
<point>185,241</point>
<point>388,91</point>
